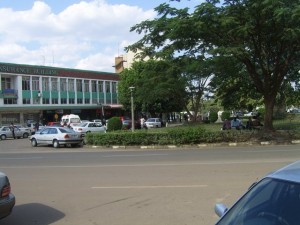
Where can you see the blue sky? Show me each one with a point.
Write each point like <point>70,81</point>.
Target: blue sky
<point>72,33</point>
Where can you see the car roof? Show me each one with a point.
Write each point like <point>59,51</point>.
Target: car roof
<point>290,172</point>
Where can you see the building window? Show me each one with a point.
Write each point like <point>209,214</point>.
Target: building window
<point>36,101</point>
<point>114,87</point>
<point>64,101</point>
<point>54,101</point>
<point>107,86</point>
<point>94,86</point>
<point>86,101</point>
<point>87,86</point>
<point>35,83</point>
<point>63,84</point>
<point>94,101</point>
<point>45,84</point>
<point>10,101</point>
<point>26,101</point>
<point>46,101</point>
<point>100,86</point>
<point>25,83</point>
<point>71,101</point>
<point>6,83</point>
<point>71,85</point>
<point>79,85</point>
<point>54,84</point>
<point>79,100</point>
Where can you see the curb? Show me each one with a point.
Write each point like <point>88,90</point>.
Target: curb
<point>200,146</point>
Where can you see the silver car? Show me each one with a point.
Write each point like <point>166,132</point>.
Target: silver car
<point>88,127</point>
<point>6,132</point>
<point>274,200</point>
<point>56,136</point>
<point>153,122</point>
<point>7,199</point>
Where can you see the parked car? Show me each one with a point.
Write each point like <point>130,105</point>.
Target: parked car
<point>26,130</point>
<point>275,199</point>
<point>127,124</point>
<point>88,127</point>
<point>6,132</point>
<point>56,136</point>
<point>31,127</point>
<point>54,124</point>
<point>153,122</point>
<point>251,114</point>
<point>7,199</point>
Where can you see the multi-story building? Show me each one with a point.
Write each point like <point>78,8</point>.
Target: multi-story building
<point>43,93</point>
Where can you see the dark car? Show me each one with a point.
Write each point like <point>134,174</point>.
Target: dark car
<point>7,199</point>
<point>274,200</point>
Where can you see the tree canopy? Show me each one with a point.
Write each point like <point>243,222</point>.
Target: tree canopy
<point>262,36</point>
<point>158,87</point>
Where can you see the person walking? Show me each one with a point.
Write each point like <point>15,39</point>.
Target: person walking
<point>12,128</point>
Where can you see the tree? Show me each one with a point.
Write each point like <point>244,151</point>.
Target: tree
<point>262,35</point>
<point>158,87</point>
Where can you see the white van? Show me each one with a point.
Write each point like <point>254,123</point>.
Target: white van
<point>70,120</point>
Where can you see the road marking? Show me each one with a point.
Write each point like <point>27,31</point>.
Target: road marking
<point>135,155</point>
<point>151,187</point>
<point>157,164</point>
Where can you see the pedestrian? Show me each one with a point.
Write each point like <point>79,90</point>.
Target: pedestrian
<point>12,128</point>
<point>226,125</point>
<point>142,121</point>
<point>36,126</point>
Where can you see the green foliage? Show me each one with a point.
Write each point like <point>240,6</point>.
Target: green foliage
<point>256,52</point>
<point>213,117</point>
<point>225,115</point>
<point>159,88</point>
<point>114,123</point>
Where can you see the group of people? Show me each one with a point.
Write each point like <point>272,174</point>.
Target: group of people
<point>237,124</point>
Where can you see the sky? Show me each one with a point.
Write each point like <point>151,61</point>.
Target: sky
<point>86,34</point>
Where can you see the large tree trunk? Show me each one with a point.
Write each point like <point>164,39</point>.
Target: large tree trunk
<point>269,107</point>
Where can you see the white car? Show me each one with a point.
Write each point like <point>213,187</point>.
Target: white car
<point>153,123</point>
<point>31,127</point>
<point>251,114</point>
<point>56,136</point>
<point>6,132</point>
<point>88,127</point>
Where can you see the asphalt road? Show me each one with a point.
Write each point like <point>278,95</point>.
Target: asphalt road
<point>84,186</point>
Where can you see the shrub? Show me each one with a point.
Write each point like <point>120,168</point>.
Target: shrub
<point>225,115</point>
<point>114,123</point>
<point>213,117</point>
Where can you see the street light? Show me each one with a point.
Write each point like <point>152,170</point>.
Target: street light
<point>132,111</point>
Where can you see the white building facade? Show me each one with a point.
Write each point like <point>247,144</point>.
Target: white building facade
<point>41,93</point>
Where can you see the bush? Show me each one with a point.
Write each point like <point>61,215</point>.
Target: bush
<point>114,123</point>
<point>225,115</point>
<point>213,117</point>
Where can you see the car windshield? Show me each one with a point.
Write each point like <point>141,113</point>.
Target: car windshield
<point>269,202</point>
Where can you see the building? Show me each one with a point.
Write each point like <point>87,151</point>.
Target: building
<point>43,93</point>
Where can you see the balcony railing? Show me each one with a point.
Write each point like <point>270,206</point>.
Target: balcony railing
<point>9,93</point>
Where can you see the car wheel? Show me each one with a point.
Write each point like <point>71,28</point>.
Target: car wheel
<point>33,142</point>
<point>3,137</point>
<point>56,144</point>
<point>25,135</point>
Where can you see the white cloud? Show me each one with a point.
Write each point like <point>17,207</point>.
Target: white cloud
<point>86,35</point>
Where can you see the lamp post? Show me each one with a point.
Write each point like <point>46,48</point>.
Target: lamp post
<point>132,110</point>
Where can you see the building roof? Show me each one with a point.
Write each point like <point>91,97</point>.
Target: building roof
<point>13,68</point>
